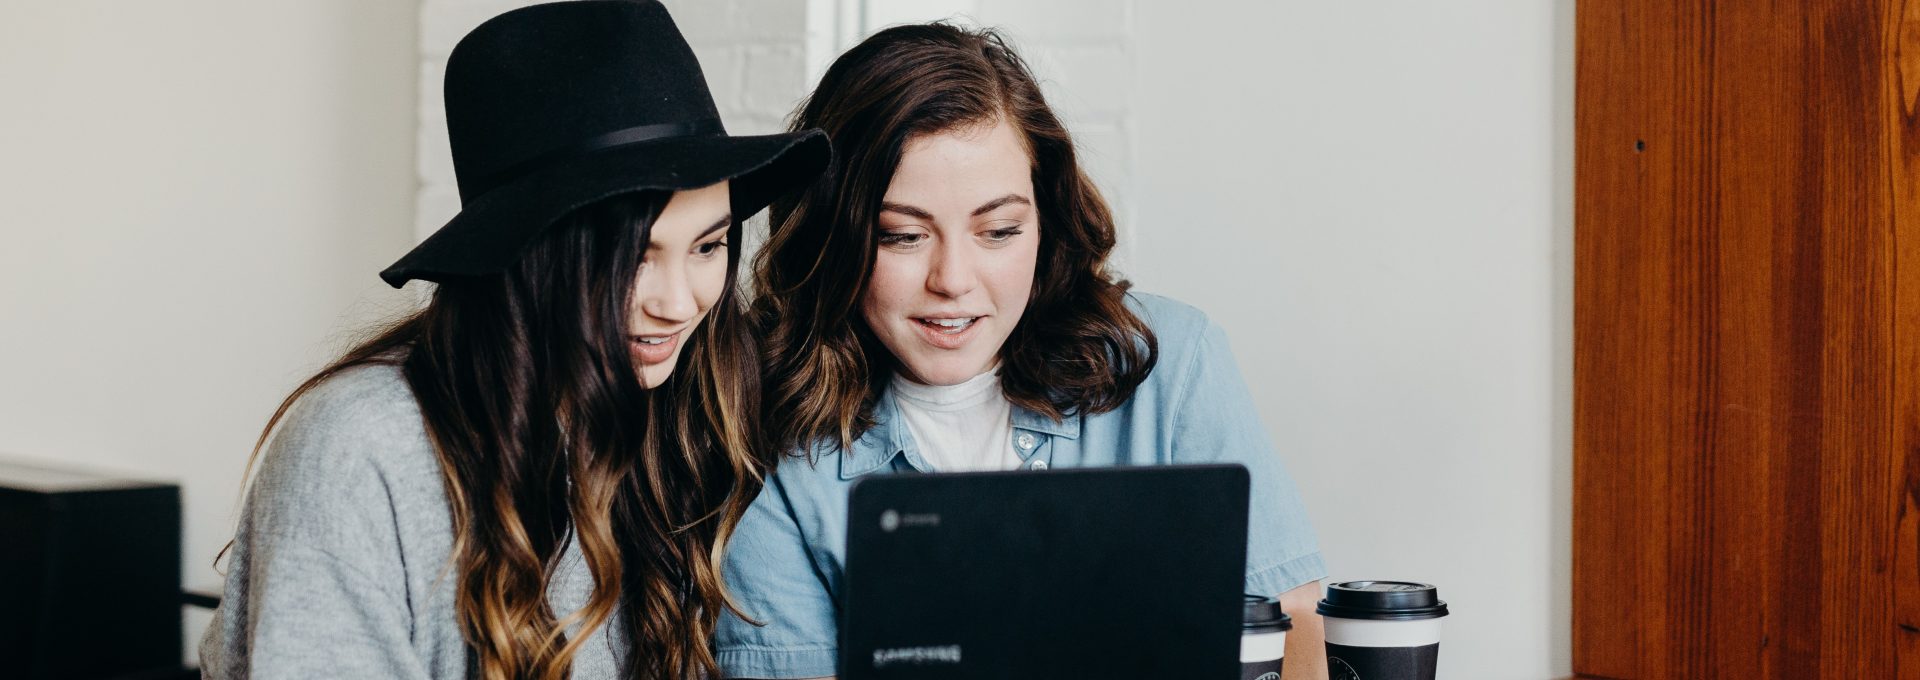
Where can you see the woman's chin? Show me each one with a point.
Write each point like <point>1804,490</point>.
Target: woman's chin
<point>655,375</point>
<point>945,374</point>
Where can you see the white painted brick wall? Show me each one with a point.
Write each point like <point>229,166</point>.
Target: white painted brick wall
<point>1060,22</point>
<point>752,51</point>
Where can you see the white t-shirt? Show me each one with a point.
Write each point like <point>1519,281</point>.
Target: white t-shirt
<point>960,428</point>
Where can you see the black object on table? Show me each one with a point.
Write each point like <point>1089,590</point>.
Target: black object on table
<point>89,574</point>
<point>1122,573</point>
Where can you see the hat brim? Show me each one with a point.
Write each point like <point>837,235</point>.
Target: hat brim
<point>491,230</point>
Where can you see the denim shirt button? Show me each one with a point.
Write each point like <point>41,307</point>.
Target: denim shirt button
<point>1039,465</point>
<point>1024,441</point>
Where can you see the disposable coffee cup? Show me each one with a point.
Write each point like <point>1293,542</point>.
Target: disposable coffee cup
<point>1382,630</point>
<point>1263,638</point>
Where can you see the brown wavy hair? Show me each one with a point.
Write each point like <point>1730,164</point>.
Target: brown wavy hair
<point>1077,348</point>
<point>546,435</point>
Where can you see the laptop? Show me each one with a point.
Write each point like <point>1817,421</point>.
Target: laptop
<point>1110,573</point>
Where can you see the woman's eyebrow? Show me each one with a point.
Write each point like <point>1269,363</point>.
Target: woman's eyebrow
<point>1008,199</point>
<point>904,209</point>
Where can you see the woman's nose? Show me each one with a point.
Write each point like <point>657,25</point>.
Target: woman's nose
<point>953,273</point>
<point>666,294</point>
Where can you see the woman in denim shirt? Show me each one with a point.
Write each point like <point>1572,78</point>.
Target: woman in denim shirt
<point>940,302</point>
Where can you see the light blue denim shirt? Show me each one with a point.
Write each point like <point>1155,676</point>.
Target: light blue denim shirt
<point>785,562</point>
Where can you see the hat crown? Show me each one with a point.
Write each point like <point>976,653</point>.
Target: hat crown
<point>545,78</point>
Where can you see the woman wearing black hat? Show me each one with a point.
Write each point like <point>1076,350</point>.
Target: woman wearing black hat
<point>534,475</point>
<point>941,301</point>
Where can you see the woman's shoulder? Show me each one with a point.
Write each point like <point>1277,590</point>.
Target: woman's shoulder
<point>820,459</point>
<point>1184,337</point>
<point>1180,329</point>
<point>1166,315</point>
<point>355,431</point>
<point>360,407</point>
<point>345,523</point>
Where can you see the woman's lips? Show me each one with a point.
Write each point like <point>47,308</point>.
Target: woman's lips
<point>947,336</point>
<point>656,352</point>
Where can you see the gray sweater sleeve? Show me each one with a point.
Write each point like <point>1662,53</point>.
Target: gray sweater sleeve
<point>317,583</point>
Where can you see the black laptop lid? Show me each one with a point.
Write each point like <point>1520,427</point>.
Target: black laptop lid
<point>1111,573</point>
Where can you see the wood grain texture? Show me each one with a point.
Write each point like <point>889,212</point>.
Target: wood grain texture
<point>1746,432</point>
<point>1901,111</point>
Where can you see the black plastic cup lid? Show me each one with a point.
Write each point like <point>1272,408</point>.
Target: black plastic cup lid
<point>1382,601</point>
<point>1262,615</point>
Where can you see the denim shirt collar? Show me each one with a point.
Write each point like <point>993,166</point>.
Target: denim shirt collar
<point>889,438</point>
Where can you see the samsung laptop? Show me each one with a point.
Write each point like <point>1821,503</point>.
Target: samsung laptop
<point>1107,573</point>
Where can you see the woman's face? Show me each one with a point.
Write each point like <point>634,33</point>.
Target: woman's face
<point>682,275</point>
<point>959,238</point>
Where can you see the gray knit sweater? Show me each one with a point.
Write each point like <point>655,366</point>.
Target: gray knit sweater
<point>339,568</point>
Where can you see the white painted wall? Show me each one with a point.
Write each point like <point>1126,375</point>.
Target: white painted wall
<point>198,194</point>
<point>1374,200</point>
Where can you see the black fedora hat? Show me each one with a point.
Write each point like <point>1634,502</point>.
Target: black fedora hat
<point>552,107</point>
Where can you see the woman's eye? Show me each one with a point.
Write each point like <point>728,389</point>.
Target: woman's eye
<point>709,248</point>
<point>890,239</point>
<point>1000,235</point>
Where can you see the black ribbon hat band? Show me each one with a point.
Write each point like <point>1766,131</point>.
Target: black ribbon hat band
<point>621,137</point>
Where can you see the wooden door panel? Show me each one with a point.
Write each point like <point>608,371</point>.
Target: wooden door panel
<point>1746,472</point>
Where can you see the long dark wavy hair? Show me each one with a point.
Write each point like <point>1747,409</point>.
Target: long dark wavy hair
<point>545,434</point>
<point>1077,348</point>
